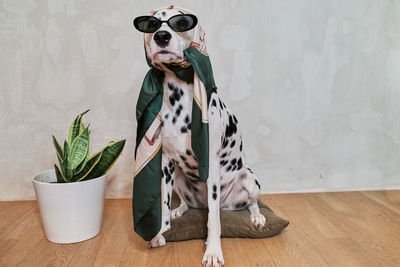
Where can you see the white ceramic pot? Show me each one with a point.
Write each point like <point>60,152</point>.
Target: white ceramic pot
<point>70,212</point>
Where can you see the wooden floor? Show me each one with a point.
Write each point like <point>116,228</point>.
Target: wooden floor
<point>326,229</point>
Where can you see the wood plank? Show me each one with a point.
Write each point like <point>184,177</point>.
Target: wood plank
<point>326,229</point>
<point>21,235</point>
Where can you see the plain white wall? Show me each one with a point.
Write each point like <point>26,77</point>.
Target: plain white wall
<point>315,85</point>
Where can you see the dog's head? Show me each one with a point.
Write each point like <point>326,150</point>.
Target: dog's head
<point>167,33</point>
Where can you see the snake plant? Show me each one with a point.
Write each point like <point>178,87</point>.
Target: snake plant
<point>75,163</point>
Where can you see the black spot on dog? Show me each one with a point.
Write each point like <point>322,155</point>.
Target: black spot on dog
<point>166,222</point>
<point>173,120</point>
<point>223,162</point>
<point>240,204</point>
<point>176,95</point>
<point>182,157</point>
<point>234,167</point>
<point>172,100</point>
<point>241,145</point>
<point>169,201</point>
<point>178,110</point>
<point>166,116</point>
<point>250,170</point>
<point>235,119</point>
<point>170,164</point>
<point>214,103</point>
<point>225,143</point>
<point>240,163</point>
<point>166,172</point>
<point>189,126</point>
<point>187,119</point>
<point>172,182</point>
<point>163,13</point>
<point>184,129</point>
<point>257,183</point>
<point>228,168</point>
<point>233,162</point>
<point>188,152</point>
<point>214,196</point>
<point>220,104</point>
<point>168,179</point>
<point>230,127</point>
<point>223,155</point>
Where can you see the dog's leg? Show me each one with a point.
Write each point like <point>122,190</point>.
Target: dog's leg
<point>213,254</point>
<point>250,182</point>
<point>256,217</point>
<point>167,181</point>
<point>179,211</point>
<point>183,207</point>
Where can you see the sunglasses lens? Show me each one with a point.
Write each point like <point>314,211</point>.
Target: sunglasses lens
<point>147,24</point>
<point>181,23</point>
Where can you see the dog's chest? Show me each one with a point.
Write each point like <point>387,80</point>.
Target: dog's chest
<point>176,114</point>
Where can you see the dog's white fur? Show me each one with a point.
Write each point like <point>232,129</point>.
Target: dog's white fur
<point>231,184</point>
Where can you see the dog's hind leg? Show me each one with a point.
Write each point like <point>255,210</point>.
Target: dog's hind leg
<point>167,181</point>
<point>181,209</point>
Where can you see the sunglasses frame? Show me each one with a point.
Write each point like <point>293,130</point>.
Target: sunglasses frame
<point>136,22</point>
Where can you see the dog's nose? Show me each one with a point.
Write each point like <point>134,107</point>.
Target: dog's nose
<point>162,38</point>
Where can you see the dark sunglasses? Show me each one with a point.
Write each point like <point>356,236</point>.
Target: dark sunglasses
<point>178,23</point>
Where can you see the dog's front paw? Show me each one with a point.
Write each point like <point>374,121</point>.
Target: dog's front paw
<point>157,241</point>
<point>258,220</point>
<point>213,257</point>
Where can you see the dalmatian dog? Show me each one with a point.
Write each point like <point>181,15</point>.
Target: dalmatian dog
<point>231,184</point>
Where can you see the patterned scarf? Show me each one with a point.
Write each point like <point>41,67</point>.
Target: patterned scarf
<point>196,68</point>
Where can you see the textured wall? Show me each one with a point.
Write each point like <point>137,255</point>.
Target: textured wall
<point>315,85</point>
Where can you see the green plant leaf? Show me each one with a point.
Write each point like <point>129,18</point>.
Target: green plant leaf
<point>60,154</point>
<point>60,177</point>
<point>58,148</point>
<point>79,149</point>
<point>109,156</point>
<point>81,165</point>
<point>67,172</point>
<point>76,127</point>
<point>89,166</point>
<point>66,150</point>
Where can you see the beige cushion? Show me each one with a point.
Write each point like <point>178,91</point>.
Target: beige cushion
<point>193,224</point>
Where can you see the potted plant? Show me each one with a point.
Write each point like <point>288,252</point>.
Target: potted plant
<point>71,196</point>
